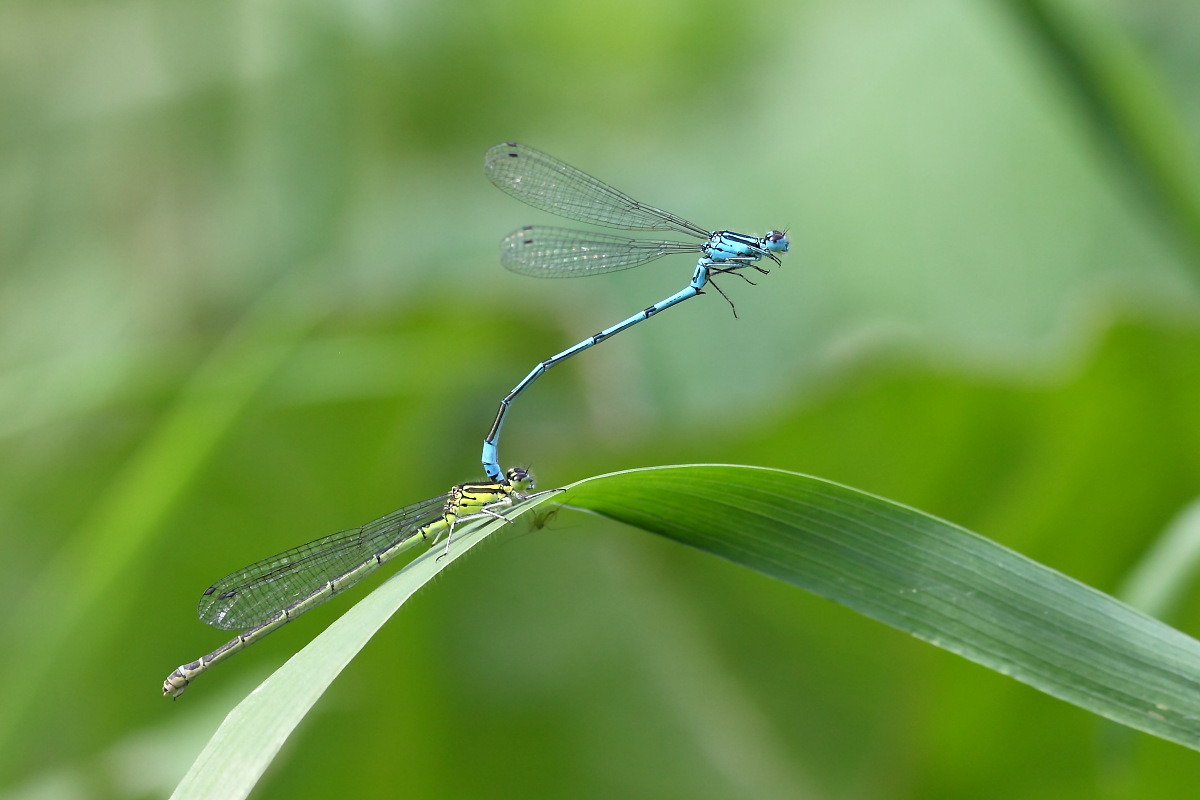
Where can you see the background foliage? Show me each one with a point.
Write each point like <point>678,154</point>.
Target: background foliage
<point>250,295</point>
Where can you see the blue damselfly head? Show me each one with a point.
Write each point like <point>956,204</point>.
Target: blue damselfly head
<point>776,241</point>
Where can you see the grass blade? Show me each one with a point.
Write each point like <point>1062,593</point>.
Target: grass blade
<point>917,573</point>
<point>925,576</point>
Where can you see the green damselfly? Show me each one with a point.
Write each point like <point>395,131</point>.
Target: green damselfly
<point>267,594</point>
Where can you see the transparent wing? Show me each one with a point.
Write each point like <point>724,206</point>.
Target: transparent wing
<point>544,252</point>
<point>544,182</point>
<point>244,598</point>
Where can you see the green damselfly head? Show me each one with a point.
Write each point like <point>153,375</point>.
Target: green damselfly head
<point>520,478</point>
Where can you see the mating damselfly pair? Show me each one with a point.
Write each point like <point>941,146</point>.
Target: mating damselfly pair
<point>264,596</point>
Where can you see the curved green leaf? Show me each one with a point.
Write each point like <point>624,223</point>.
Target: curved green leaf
<point>900,566</point>
<point>925,576</point>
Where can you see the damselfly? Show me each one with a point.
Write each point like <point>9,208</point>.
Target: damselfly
<point>268,594</point>
<point>546,183</point>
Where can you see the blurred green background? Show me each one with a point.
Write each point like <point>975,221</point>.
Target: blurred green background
<point>250,295</point>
